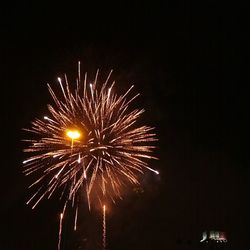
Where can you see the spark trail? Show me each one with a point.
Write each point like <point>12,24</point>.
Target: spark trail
<point>104,228</point>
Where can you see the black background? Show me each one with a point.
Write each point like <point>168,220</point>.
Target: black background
<point>186,60</point>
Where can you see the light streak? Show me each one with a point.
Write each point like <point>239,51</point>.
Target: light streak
<point>104,228</point>
<point>76,214</point>
<point>60,232</point>
<point>153,170</point>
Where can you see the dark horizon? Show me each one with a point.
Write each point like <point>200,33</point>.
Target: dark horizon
<point>186,63</point>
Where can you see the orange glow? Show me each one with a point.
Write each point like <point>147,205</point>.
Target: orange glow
<point>73,134</point>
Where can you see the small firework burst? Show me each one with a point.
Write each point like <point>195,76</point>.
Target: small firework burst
<point>89,141</point>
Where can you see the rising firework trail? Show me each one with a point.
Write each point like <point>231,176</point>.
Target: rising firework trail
<point>60,232</point>
<point>90,142</point>
<point>104,228</point>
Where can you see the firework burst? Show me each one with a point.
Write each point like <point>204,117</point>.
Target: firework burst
<point>89,141</point>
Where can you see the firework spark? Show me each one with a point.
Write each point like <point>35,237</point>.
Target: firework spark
<point>89,141</point>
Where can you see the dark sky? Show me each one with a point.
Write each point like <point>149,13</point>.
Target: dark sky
<point>186,61</point>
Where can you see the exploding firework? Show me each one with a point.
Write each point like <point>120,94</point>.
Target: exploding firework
<point>89,141</point>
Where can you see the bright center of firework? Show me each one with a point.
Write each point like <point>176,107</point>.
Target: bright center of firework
<point>73,134</point>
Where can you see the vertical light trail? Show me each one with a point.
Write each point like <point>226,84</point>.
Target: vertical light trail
<point>76,214</point>
<point>60,232</point>
<point>104,228</point>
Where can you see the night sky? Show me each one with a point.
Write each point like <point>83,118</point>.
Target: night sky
<point>186,61</point>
